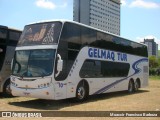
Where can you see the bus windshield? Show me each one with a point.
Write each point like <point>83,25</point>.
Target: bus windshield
<point>40,34</point>
<point>33,63</point>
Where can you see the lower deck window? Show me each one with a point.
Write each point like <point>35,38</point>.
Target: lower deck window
<point>97,68</point>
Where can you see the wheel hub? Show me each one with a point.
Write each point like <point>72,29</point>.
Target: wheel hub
<point>81,93</point>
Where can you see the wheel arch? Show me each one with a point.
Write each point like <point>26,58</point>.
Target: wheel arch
<point>83,81</point>
<point>6,81</point>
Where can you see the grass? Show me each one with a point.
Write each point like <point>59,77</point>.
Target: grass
<point>154,77</point>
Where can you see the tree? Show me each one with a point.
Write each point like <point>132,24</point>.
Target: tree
<point>154,62</point>
<point>159,62</point>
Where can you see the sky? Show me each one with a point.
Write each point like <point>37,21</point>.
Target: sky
<point>139,18</point>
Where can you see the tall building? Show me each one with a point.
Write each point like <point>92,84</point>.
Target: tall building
<point>152,47</point>
<point>102,14</point>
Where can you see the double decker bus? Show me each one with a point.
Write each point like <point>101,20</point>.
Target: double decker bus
<point>65,59</point>
<point>8,41</point>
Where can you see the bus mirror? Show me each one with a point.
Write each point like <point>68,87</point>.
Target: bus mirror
<point>59,64</point>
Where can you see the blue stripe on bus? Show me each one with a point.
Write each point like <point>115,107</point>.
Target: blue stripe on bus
<point>136,69</point>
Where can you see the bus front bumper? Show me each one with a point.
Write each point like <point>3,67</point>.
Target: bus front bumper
<point>42,93</point>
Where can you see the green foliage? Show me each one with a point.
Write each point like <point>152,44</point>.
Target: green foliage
<point>154,77</point>
<point>154,66</point>
<point>153,62</point>
<point>152,71</point>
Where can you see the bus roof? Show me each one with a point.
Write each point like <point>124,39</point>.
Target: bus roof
<point>74,22</point>
<point>10,28</point>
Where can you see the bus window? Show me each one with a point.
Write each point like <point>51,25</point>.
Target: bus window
<point>3,36</point>
<point>2,55</point>
<point>96,68</point>
<point>13,35</point>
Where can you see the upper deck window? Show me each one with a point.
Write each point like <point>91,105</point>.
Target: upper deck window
<point>40,34</point>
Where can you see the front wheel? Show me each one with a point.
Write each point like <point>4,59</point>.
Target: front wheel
<point>81,92</point>
<point>7,90</point>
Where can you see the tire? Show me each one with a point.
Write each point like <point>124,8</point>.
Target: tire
<point>81,92</point>
<point>136,86</point>
<point>6,89</point>
<point>131,86</point>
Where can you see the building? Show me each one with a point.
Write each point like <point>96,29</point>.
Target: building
<point>102,14</point>
<point>152,47</point>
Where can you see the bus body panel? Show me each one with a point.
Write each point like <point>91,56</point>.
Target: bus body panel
<point>105,61</point>
<point>67,88</point>
<point>60,90</point>
<point>104,82</point>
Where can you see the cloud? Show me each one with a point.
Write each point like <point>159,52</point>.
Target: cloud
<point>45,4</point>
<point>144,4</point>
<point>48,4</point>
<point>123,2</point>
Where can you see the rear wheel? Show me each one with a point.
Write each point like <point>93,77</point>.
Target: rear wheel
<point>131,86</point>
<point>136,85</point>
<point>81,92</point>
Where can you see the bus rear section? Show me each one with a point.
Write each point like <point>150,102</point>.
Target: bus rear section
<point>8,41</point>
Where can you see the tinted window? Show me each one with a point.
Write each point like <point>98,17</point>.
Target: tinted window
<point>82,36</point>
<point>14,37</point>
<point>3,33</point>
<point>3,36</point>
<point>33,63</point>
<point>115,69</point>
<point>95,68</point>
<point>69,46</point>
<point>91,69</point>
<point>2,55</point>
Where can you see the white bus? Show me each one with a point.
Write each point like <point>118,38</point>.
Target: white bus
<point>64,59</point>
<point>8,41</point>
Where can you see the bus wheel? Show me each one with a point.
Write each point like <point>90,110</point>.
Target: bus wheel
<point>81,92</point>
<point>136,85</point>
<point>131,86</point>
<point>6,89</point>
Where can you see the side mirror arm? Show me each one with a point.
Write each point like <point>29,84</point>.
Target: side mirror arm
<point>11,64</point>
<point>59,65</point>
